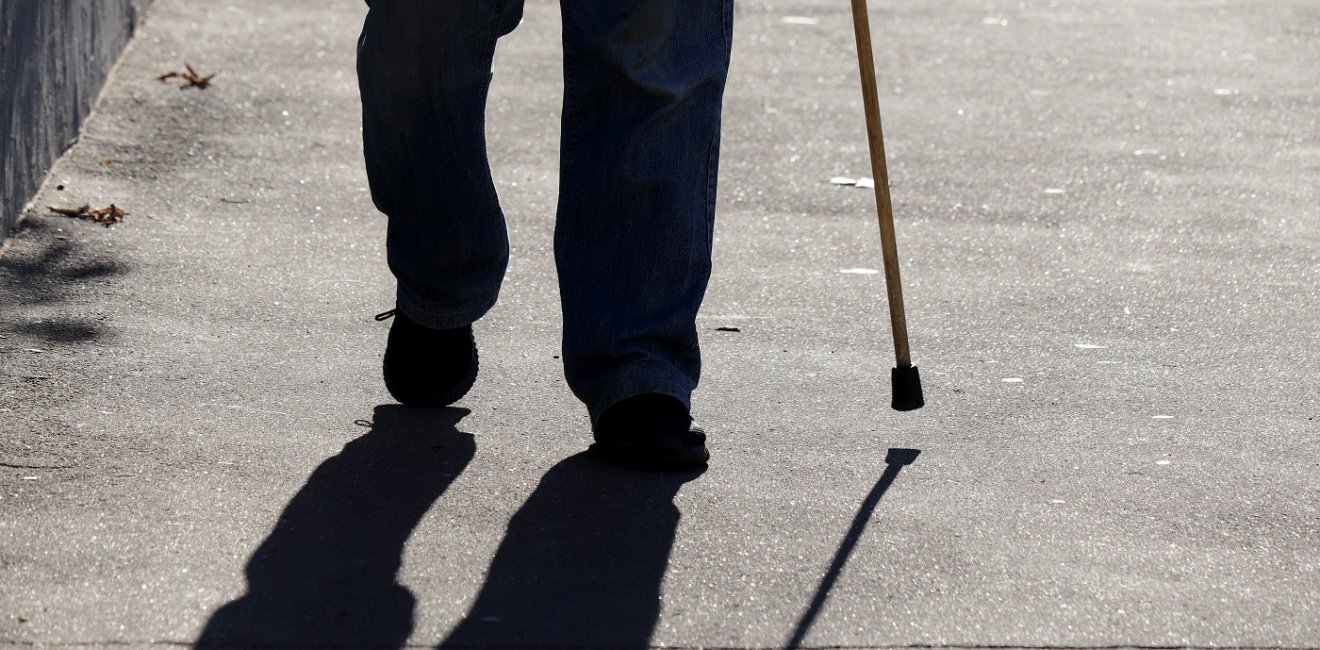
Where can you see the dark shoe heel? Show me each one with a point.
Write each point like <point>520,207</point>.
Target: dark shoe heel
<point>650,431</point>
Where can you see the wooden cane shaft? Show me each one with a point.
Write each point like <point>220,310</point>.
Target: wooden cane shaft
<point>875,137</point>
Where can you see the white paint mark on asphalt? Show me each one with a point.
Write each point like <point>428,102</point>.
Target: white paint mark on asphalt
<point>1055,190</point>
<point>1057,501</point>
<point>994,21</point>
<point>29,478</point>
<point>1163,462</point>
<point>863,182</point>
<point>1224,92</point>
<point>859,271</point>
<point>36,350</point>
<point>1090,346</point>
<point>800,20</point>
<point>1012,380</point>
<point>1161,417</point>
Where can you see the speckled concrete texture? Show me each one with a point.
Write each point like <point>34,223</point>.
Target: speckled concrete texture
<point>1107,219</point>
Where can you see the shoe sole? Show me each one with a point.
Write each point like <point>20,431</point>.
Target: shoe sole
<point>663,452</point>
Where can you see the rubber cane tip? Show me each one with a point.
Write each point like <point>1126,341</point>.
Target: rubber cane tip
<point>907,388</point>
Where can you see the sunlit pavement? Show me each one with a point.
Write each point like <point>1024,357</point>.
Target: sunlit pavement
<point>1106,215</point>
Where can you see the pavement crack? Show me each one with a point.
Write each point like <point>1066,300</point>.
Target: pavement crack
<point>991,646</point>
<point>979,646</point>
<point>18,466</point>
<point>533,646</point>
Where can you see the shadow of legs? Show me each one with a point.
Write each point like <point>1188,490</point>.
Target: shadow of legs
<point>326,574</point>
<point>582,562</point>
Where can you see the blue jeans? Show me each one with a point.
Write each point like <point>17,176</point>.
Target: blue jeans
<point>643,81</point>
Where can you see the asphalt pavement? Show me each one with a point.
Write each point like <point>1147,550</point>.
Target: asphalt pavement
<point>1107,219</point>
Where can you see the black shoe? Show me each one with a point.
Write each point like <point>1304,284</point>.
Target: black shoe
<point>426,367</point>
<point>651,431</point>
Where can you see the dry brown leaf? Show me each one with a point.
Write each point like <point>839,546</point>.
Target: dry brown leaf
<point>107,216</point>
<point>191,77</point>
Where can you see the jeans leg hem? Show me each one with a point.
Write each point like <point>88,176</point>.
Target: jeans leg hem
<point>598,403</point>
<point>440,319</point>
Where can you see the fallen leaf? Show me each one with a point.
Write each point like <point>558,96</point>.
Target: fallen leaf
<point>107,216</point>
<point>191,78</point>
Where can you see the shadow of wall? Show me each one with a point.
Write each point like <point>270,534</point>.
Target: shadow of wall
<point>52,272</point>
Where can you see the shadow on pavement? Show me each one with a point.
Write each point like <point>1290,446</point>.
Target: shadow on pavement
<point>40,268</point>
<point>582,562</point>
<point>326,575</point>
<point>895,460</point>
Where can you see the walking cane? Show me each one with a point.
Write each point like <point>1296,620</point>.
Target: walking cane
<point>904,379</point>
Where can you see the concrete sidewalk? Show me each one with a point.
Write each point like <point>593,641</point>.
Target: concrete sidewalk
<point>1107,216</point>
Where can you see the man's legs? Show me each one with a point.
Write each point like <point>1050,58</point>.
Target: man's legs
<point>423,71</point>
<point>644,82</point>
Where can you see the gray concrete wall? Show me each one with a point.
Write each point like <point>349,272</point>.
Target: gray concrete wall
<point>54,56</point>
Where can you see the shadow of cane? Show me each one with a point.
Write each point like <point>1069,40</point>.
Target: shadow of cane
<point>895,460</point>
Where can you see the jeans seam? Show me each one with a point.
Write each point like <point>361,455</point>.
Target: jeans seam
<point>492,39</point>
<point>571,112</point>
<point>712,155</point>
